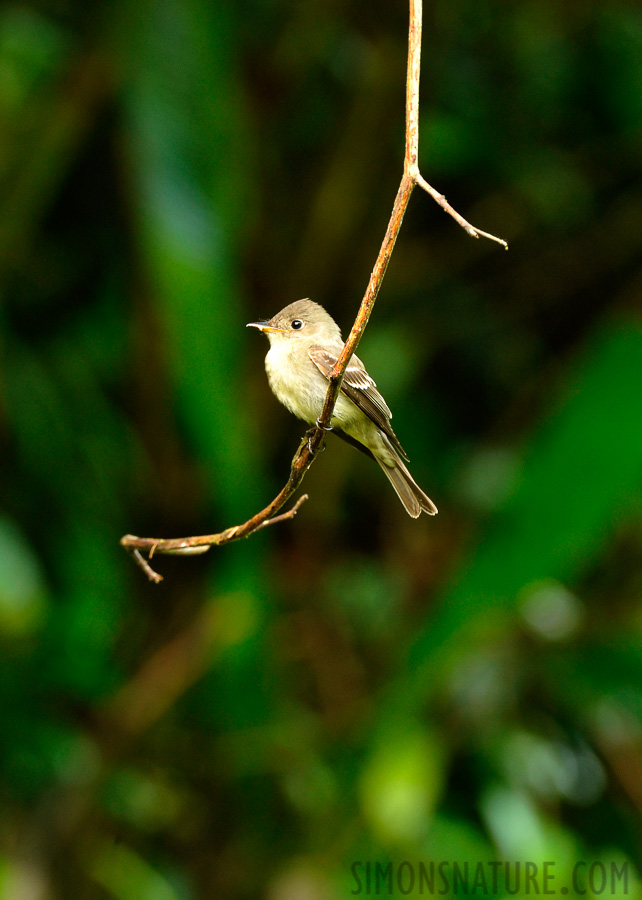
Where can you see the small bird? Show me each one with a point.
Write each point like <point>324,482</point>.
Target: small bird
<point>305,343</point>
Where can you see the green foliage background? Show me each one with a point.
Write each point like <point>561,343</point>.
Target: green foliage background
<point>351,686</point>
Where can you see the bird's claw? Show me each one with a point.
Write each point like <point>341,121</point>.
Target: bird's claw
<point>311,435</point>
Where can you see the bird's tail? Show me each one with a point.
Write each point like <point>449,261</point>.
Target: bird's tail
<point>408,491</point>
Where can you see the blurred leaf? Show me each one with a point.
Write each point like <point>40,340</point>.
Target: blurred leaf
<point>400,785</point>
<point>521,833</point>
<point>127,876</point>
<point>23,597</point>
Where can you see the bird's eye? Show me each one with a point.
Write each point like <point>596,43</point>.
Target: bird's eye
<point>296,324</point>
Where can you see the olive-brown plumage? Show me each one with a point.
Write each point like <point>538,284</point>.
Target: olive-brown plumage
<point>305,343</point>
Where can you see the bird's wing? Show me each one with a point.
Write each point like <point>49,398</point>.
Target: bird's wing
<point>359,387</point>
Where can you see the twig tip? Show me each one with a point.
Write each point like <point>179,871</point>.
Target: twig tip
<point>154,576</point>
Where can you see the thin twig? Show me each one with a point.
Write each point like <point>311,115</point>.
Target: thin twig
<point>290,514</point>
<point>472,230</point>
<point>313,440</point>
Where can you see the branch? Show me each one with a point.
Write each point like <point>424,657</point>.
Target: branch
<point>193,546</point>
<point>314,439</point>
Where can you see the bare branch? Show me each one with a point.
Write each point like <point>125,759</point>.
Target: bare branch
<point>445,205</point>
<point>290,514</point>
<point>314,439</point>
<point>201,544</point>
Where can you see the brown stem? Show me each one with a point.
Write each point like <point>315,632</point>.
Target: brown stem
<point>313,440</point>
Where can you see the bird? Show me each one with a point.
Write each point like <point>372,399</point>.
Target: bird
<point>305,343</point>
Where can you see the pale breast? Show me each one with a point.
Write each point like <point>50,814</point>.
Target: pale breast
<point>292,380</point>
<point>301,388</point>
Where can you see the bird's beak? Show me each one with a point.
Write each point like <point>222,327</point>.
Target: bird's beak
<point>264,326</point>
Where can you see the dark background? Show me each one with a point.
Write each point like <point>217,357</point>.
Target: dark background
<point>352,685</point>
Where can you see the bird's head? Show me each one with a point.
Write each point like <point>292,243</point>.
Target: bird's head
<point>303,319</point>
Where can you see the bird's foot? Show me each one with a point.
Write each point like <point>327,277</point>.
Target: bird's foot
<point>311,433</point>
